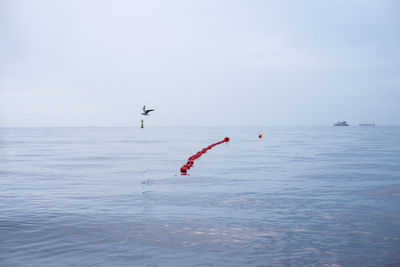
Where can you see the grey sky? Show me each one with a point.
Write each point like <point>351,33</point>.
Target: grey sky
<point>96,63</point>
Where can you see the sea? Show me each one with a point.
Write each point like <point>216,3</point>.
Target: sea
<point>298,196</point>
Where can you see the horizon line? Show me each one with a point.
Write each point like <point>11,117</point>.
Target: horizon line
<point>194,126</point>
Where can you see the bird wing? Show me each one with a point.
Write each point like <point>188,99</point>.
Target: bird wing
<point>144,108</point>
<point>150,110</point>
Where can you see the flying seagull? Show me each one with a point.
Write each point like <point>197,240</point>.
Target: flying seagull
<point>146,112</point>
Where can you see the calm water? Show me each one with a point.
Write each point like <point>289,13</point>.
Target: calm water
<point>114,197</point>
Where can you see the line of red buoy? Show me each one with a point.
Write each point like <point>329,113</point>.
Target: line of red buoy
<point>191,159</point>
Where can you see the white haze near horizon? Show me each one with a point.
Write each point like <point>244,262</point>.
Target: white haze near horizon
<point>217,63</point>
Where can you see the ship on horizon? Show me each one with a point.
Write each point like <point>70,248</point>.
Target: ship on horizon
<point>341,123</point>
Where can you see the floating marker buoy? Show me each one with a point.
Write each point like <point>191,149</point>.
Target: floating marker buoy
<point>183,169</point>
<point>260,136</point>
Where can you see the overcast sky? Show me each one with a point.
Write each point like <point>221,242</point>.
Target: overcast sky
<point>96,63</point>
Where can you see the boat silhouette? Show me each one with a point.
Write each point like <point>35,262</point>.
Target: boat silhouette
<point>341,123</point>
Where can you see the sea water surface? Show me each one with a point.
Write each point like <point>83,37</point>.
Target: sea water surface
<point>300,196</point>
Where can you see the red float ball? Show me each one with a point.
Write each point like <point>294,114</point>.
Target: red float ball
<point>183,169</point>
<point>260,136</point>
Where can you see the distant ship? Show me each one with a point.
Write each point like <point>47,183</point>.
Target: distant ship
<point>366,124</point>
<point>341,123</point>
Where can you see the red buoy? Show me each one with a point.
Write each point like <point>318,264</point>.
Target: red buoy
<point>183,169</point>
<point>226,139</point>
<point>260,136</point>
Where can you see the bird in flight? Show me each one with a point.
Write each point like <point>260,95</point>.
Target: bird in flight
<point>146,112</point>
